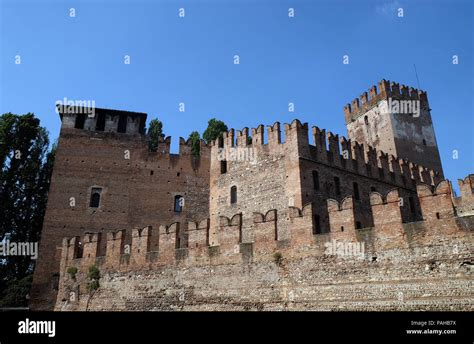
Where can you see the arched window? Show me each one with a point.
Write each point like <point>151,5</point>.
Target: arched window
<point>233,195</point>
<point>178,203</point>
<point>95,198</point>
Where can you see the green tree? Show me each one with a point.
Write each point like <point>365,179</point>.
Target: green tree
<point>195,143</point>
<point>214,129</point>
<point>25,176</point>
<point>93,277</point>
<point>15,292</point>
<point>155,134</point>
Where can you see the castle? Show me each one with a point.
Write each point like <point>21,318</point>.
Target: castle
<point>359,223</point>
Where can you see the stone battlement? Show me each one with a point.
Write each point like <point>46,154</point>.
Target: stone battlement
<point>190,243</point>
<point>271,201</point>
<point>330,149</point>
<point>178,266</point>
<point>385,90</point>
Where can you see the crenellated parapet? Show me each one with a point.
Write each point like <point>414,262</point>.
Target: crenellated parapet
<point>383,91</point>
<point>243,137</point>
<point>93,119</point>
<point>329,149</point>
<point>436,202</point>
<point>163,158</point>
<point>265,232</point>
<point>115,248</point>
<point>229,234</point>
<point>186,146</point>
<point>386,210</point>
<point>465,202</point>
<point>190,244</point>
<point>466,186</point>
<point>341,215</point>
<point>137,248</point>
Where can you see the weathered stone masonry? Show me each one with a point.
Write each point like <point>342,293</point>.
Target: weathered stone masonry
<point>405,266</point>
<point>138,188</point>
<point>255,229</point>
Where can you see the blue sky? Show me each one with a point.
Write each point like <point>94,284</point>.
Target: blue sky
<point>282,60</point>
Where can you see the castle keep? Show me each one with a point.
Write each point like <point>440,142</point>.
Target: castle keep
<point>314,221</point>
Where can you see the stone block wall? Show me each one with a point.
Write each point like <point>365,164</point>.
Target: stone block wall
<point>422,265</point>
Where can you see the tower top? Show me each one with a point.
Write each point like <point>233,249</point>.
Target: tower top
<point>384,91</point>
<point>98,119</point>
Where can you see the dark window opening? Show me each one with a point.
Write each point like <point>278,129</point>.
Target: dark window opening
<point>223,166</point>
<point>95,198</point>
<point>358,225</point>
<point>381,173</point>
<point>233,195</point>
<point>79,250</point>
<point>424,142</point>
<point>100,125</point>
<point>356,191</point>
<point>337,185</point>
<point>220,142</point>
<point>366,120</point>
<point>437,216</point>
<point>80,120</point>
<point>151,172</point>
<point>55,282</point>
<point>316,180</point>
<point>122,124</point>
<point>178,174</point>
<point>317,225</point>
<point>178,238</point>
<point>411,203</point>
<point>342,228</point>
<point>373,189</point>
<point>178,203</point>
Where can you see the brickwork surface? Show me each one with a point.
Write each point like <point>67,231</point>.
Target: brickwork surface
<point>282,217</point>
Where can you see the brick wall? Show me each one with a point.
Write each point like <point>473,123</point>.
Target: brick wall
<point>138,190</point>
<point>424,265</point>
